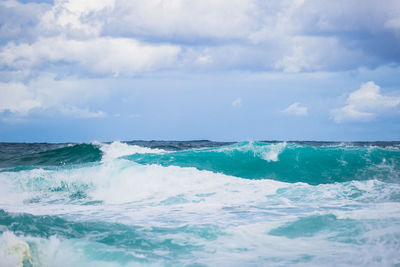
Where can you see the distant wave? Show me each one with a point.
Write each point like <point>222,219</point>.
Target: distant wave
<point>70,154</point>
<point>288,162</point>
<point>63,154</point>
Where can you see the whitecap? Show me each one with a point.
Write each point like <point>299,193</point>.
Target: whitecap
<point>117,149</point>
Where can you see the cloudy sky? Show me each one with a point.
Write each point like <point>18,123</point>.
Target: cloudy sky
<point>73,70</point>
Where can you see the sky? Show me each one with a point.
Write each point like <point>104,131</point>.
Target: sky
<point>224,70</point>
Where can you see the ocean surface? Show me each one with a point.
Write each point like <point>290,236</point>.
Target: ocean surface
<point>200,203</point>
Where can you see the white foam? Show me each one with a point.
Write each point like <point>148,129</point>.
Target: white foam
<point>117,149</point>
<point>268,152</point>
<point>53,251</point>
<point>340,194</point>
<point>123,181</point>
<point>123,185</point>
<point>153,195</point>
<point>13,250</point>
<point>250,244</point>
<point>273,151</point>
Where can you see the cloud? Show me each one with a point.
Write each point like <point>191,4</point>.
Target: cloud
<point>365,104</point>
<point>76,18</point>
<point>102,37</point>
<point>393,23</point>
<point>296,109</point>
<point>18,21</point>
<point>82,112</point>
<point>99,55</point>
<point>180,19</point>
<point>48,94</point>
<point>237,102</point>
<point>17,98</point>
<point>134,116</point>
<point>294,62</point>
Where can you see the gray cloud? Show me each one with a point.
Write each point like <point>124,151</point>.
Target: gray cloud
<point>289,36</point>
<point>18,22</point>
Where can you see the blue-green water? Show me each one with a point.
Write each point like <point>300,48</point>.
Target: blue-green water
<point>200,203</point>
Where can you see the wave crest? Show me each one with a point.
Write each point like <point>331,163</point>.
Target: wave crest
<point>117,149</point>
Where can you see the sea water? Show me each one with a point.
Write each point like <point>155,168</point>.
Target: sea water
<point>200,203</point>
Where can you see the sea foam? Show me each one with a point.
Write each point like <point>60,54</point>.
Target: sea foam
<point>142,206</point>
<point>117,149</point>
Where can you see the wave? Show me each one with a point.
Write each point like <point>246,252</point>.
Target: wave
<point>287,162</point>
<point>117,149</point>
<point>65,154</point>
<point>118,212</point>
<point>111,234</point>
<point>48,155</point>
<point>103,185</point>
<point>28,240</point>
<point>118,181</point>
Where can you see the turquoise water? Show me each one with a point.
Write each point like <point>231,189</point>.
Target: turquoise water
<point>200,203</point>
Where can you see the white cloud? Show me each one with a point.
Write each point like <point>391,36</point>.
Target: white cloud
<point>294,62</point>
<point>313,53</point>
<point>134,116</point>
<point>365,104</point>
<point>296,109</point>
<point>393,23</point>
<point>221,19</point>
<point>17,98</point>
<point>204,59</point>
<point>82,112</point>
<point>45,94</point>
<point>18,21</point>
<point>218,19</point>
<point>100,36</point>
<point>76,18</point>
<point>237,102</point>
<point>100,55</point>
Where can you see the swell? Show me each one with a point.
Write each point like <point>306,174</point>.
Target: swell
<point>287,162</point>
<point>52,155</point>
<point>252,160</point>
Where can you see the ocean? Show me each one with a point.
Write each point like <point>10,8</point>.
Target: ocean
<point>200,203</point>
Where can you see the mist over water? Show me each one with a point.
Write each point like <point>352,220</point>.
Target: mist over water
<point>200,203</point>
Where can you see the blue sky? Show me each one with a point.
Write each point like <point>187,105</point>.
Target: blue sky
<point>108,70</point>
